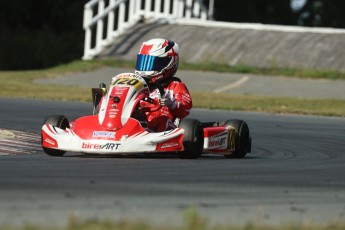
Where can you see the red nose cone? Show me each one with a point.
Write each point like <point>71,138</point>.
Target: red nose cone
<point>111,126</point>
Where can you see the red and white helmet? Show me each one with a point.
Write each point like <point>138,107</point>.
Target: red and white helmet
<point>157,59</point>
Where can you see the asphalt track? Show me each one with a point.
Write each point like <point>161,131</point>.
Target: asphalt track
<point>295,173</point>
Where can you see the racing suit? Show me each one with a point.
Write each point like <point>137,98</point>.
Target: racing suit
<point>163,119</point>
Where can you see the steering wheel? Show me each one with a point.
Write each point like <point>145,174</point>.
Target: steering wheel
<point>157,105</point>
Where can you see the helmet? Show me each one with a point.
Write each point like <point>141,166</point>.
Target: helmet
<point>157,59</point>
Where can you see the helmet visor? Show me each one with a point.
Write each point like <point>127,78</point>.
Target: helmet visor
<point>151,63</point>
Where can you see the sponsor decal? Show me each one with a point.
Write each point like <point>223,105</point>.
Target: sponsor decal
<point>169,145</point>
<point>107,146</point>
<point>103,134</point>
<point>113,113</point>
<point>217,142</point>
<point>49,141</point>
<point>120,91</point>
<point>113,110</point>
<point>125,75</point>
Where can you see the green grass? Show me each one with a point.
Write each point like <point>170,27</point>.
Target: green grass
<point>272,71</point>
<point>129,225</point>
<point>191,221</point>
<point>20,84</point>
<point>324,107</point>
<point>208,66</point>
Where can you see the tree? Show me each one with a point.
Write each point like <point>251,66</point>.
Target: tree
<point>255,11</point>
<point>38,34</point>
<point>323,13</point>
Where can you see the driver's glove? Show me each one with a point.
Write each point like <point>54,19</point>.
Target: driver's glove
<point>168,100</point>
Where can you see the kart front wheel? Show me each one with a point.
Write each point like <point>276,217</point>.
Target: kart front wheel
<point>61,122</point>
<point>242,138</point>
<point>193,140</point>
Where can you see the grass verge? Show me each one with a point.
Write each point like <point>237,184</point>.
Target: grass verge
<point>20,84</point>
<point>78,65</point>
<point>272,71</point>
<point>216,67</point>
<point>323,107</point>
<point>191,221</point>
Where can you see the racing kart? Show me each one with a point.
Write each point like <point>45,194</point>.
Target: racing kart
<point>118,126</point>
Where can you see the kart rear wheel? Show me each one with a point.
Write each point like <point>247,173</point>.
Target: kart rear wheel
<point>61,122</point>
<point>242,138</point>
<point>193,140</point>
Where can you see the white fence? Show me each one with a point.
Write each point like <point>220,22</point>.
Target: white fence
<point>105,20</point>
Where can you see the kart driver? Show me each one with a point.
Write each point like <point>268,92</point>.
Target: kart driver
<point>157,61</point>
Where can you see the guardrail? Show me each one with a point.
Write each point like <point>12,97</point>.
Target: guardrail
<point>105,20</point>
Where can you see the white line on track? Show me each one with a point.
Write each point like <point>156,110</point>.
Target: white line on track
<point>235,84</point>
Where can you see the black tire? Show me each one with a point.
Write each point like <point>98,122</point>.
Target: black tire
<point>61,122</point>
<point>242,138</point>
<point>193,140</point>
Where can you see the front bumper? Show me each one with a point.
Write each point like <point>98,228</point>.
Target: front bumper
<point>67,140</point>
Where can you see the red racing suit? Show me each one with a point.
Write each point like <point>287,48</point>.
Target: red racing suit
<point>163,119</point>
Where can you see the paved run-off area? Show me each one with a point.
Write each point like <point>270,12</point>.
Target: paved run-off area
<point>243,84</point>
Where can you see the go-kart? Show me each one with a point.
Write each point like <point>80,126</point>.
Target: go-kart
<point>118,126</point>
